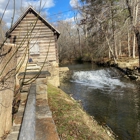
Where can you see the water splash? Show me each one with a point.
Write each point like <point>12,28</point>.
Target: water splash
<point>100,79</point>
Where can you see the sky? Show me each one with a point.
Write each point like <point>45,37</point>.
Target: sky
<point>54,10</point>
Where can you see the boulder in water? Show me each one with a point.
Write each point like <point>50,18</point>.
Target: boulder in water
<point>133,77</point>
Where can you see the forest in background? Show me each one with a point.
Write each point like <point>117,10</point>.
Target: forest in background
<point>100,29</point>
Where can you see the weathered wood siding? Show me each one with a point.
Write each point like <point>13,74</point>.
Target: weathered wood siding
<point>33,29</point>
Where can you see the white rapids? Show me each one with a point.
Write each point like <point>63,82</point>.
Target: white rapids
<point>99,79</point>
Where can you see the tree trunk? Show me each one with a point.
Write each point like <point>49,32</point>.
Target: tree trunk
<point>137,33</point>
<point>135,17</point>
<point>110,49</point>
<point>115,46</point>
<point>109,46</point>
<point>129,52</point>
<point>113,29</point>
<point>134,45</point>
<point>109,55</point>
<point>120,50</point>
<point>79,39</point>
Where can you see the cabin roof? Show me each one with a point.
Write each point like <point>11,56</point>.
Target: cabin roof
<point>30,9</point>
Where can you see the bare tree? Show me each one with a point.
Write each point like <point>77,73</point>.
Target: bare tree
<point>70,44</point>
<point>133,12</point>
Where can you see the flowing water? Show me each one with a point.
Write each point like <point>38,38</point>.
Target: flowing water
<point>110,98</point>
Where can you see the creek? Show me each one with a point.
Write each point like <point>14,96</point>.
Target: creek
<point>109,97</point>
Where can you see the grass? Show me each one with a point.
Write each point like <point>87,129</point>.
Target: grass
<point>71,121</point>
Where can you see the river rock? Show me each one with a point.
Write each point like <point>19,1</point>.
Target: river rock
<point>133,77</point>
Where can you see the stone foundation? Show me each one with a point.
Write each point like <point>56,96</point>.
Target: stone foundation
<point>54,78</point>
<point>7,84</point>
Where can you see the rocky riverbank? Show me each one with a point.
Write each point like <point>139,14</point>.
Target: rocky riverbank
<point>129,67</point>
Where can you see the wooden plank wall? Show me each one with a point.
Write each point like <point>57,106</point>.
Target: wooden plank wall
<point>33,29</point>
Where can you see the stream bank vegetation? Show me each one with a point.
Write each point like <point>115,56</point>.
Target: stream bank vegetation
<point>71,121</point>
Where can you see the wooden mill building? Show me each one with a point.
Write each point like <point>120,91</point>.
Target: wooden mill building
<point>35,39</point>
